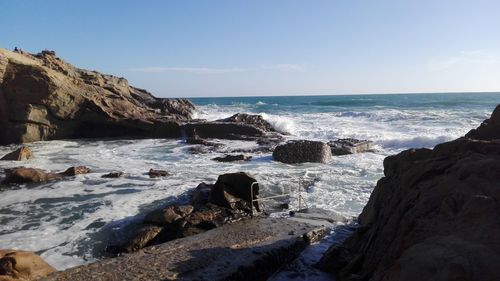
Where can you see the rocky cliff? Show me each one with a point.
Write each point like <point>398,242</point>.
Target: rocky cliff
<point>43,97</point>
<point>434,216</point>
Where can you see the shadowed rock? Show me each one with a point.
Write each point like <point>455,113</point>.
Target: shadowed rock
<point>113,175</point>
<point>434,216</point>
<point>233,158</point>
<point>303,151</point>
<point>157,173</point>
<point>22,153</point>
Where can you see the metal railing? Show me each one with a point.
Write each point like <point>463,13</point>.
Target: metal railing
<point>289,194</point>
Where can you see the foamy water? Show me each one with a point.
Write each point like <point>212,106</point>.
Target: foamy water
<point>69,222</point>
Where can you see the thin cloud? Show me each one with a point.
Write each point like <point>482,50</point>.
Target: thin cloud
<point>465,58</point>
<point>284,67</point>
<point>194,70</point>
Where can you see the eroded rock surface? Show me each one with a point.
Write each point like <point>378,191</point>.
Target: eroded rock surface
<point>349,146</point>
<point>43,98</point>
<point>434,216</point>
<point>22,153</point>
<point>22,266</point>
<point>303,151</point>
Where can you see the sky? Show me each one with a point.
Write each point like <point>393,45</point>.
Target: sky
<point>269,47</point>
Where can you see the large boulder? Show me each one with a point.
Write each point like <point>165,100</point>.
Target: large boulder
<point>34,175</point>
<point>233,190</point>
<point>303,151</point>
<point>22,265</point>
<point>434,216</point>
<point>22,153</point>
<point>44,98</point>
<point>250,119</point>
<point>489,129</point>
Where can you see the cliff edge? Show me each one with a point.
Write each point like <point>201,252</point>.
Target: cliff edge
<point>434,216</point>
<point>43,97</point>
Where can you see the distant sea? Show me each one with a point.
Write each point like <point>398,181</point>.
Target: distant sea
<point>69,222</point>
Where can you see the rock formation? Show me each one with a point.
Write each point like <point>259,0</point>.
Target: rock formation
<point>22,266</point>
<point>22,153</point>
<point>349,146</point>
<point>303,151</point>
<point>233,158</point>
<point>434,216</point>
<point>33,175</point>
<point>43,98</point>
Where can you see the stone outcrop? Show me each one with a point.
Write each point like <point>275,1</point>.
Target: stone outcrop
<point>302,151</point>
<point>211,206</point>
<point>22,153</point>
<point>434,216</point>
<point>233,158</point>
<point>22,266</point>
<point>43,97</point>
<point>249,119</point>
<point>349,146</point>
<point>32,175</point>
<point>157,173</point>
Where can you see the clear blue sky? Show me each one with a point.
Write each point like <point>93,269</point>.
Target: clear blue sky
<point>264,47</point>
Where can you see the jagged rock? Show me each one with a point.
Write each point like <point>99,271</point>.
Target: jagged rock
<point>22,265</point>
<point>489,129</point>
<point>303,151</point>
<point>142,237</point>
<point>157,173</point>
<point>349,146</point>
<point>19,154</point>
<point>232,158</point>
<point>28,175</point>
<point>249,119</point>
<point>229,189</point>
<point>168,215</point>
<point>434,216</point>
<point>44,98</point>
<point>113,175</point>
<point>73,171</point>
<point>201,194</point>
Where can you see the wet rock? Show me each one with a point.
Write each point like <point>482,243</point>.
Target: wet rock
<point>157,173</point>
<point>22,265</point>
<point>28,175</point>
<point>73,171</point>
<point>113,175</point>
<point>224,130</point>
<point>255,120</point>
<point>434,216</point>
<point>233,158</point>
<point>45,98</point>
<point>142,237</point>
<point>229,189</point>
<point>22,153</point>
<point>349,146</point>
<point>303,151</point>
<point>168,215</point>
<point>200,196</point>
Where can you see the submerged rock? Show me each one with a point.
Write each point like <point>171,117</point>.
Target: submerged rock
<point>73,171</point>
<point>44,98</point>
<point>113,175</point>
<point>303,151</point>
<point>22,266</point>
<point>349,146</point>
<point>434,216</point>
<point>28,175</point>
<point>22,153</point>
<point>233,158</point>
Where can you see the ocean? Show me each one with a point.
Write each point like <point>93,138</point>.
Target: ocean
<point>69,222</point>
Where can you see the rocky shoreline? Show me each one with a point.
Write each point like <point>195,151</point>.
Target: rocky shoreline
<point>433,216</point>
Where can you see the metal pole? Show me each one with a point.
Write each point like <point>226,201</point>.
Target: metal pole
<point>251,199</point>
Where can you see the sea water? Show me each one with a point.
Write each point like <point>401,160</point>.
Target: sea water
<point>69,222</point>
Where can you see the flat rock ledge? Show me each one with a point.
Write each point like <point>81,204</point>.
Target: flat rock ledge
<point>247,250</point>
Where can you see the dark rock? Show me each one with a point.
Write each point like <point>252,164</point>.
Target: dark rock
<point>255,120</point>
<point>349,146</point>
<point>232,158</point>
<point>141,239</point>
<point>113,175</point>
<point>28,175</point>
<point>157,173</point>
<point>224,130</point>
<point>44,98</point>
<point>302,151</point>
<point>73,171</point>
<point>200,196</point>
<point>19,154</point>
<point>434,216</point>
<point>234,187</point>
<point>168,215</point>
<point>489,129</point>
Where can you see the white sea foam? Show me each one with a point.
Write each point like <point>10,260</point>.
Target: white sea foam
<point>66,221</point>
